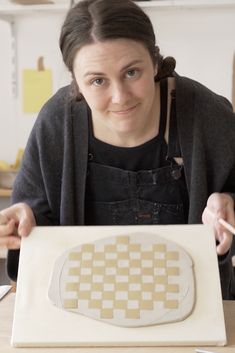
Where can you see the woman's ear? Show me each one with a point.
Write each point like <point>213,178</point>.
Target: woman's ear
<point>75,89</point>
<point>156,70</point>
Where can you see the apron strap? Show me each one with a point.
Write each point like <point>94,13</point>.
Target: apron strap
<point>163,113</point>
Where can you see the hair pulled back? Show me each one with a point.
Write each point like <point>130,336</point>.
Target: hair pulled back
<point>91,21</point>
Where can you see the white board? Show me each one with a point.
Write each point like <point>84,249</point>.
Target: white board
<point>37,323</point>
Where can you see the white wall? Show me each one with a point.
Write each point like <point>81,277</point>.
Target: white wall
<point>202,41</point>
<point>36,36</point>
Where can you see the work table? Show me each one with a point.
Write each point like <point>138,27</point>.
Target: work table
<point>6,315</point>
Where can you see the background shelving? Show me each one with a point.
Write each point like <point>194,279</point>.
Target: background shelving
<point>9,10</point>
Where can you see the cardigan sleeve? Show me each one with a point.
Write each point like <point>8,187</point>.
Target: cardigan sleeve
<point>206,125</point>
<point>38,182</point>
<point>53,173</point>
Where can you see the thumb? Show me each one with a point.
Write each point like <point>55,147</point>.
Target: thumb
<point>26,222</point>
<point>25,226</point>
<point>23,217</point>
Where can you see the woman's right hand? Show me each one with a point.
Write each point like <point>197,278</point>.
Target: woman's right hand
<point>16,221</point>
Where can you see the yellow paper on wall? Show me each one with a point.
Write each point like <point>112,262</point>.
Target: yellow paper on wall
<point>37,89</point>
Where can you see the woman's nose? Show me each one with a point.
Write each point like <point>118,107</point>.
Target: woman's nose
<point>119,93</point>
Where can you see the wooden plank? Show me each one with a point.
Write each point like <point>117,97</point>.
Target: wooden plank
<point>5,192</point>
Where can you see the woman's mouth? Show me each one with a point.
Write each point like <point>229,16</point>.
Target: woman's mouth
<point>125,111</point>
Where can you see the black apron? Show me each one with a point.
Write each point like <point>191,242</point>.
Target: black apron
<point>115,196</point>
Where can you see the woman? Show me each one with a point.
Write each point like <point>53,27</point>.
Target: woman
<point>128,142</point>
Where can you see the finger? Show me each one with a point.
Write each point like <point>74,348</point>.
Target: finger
<point>7,229</point>
<point>26,220</point>
<point>225,243</point>
<point>209,217</point>
<point>16,212</point>
<point>218,220</point>
<point>208,214</point>
<point>10,242</point>
<point>3,219</point>
<point>225,223</point>
<point>24,227</point>
<point>230,216</point>
<point>23,216</point>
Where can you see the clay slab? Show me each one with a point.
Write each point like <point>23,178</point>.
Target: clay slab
<point>38,323</point>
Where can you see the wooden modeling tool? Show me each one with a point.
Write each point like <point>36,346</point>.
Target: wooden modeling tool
<point>226,225</point>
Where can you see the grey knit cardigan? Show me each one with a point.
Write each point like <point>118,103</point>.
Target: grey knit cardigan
<point>53,173</point>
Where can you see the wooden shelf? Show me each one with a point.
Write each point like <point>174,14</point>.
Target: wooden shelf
<point>187,3</point>
<point>9,11</point>
<point>5,192</point>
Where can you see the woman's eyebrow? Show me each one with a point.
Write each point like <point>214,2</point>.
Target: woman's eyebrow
<point>94,73</point>
<point>134,62</point>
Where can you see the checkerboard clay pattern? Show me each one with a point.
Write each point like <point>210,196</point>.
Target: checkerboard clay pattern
<point>127,280</point>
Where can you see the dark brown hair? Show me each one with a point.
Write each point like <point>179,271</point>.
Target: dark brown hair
<point>90,21</point>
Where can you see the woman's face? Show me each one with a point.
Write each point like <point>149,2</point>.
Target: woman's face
<point>116,78</point>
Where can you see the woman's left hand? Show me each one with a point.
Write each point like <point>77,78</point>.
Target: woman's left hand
<point>222,206</point>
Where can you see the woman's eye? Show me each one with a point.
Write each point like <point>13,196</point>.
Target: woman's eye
<point>98,82</point>
<point>132,73</point>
